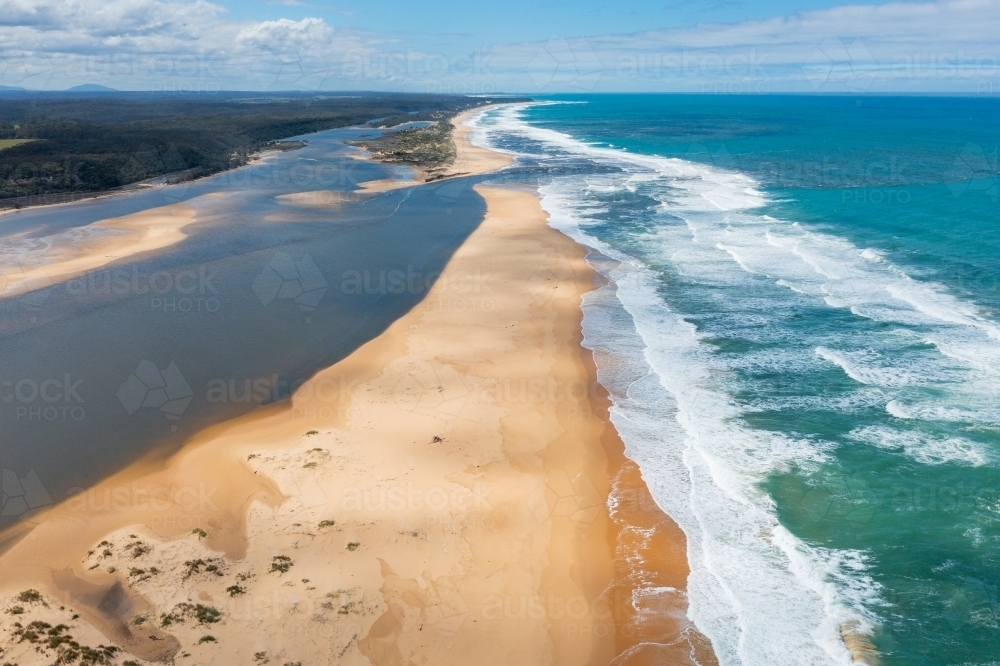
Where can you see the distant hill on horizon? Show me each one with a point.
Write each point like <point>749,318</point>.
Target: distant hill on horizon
<point>91,87</point>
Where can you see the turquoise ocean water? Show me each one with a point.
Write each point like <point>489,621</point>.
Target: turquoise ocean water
<point>801,337</point>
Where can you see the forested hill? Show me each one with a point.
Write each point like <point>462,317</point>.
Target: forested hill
<point>95,143</point>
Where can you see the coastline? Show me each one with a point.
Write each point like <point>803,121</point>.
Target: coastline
<point>466,452</point>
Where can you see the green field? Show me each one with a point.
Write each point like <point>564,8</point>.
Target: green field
<point>10,143</point>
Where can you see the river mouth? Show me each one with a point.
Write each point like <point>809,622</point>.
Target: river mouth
<point>129,360</point>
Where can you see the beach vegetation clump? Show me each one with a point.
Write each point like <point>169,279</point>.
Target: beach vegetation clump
<point>236,590</point>
<point>200,533</point>
<point>207,639</point>
<point>140,575</point>
<point>353,545</point>
<point>15,610</point>
<point>200,612</point>
<point>261,657</point>
<point>207,614</point>
<point>312,432</point>
<point>31,597</point>
<point>137,549</point>
<point>281,564</point>
<point>326,523</point>
<point>105,548</point>
<point>428,148</point>
<point>309,465</point>
<point>68,651</point>
<point>197,566</point>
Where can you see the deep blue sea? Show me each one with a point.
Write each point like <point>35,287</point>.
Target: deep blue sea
<point>801,337</point>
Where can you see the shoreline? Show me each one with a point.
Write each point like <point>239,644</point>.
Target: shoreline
<point>145,231</point>
<point>456,451</point>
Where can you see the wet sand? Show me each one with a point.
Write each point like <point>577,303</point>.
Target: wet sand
<point>129,235</point>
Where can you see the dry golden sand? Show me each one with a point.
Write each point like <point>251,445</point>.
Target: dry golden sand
<point>471,159</point>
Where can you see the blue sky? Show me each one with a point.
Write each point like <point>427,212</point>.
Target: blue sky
<point>526,46</point>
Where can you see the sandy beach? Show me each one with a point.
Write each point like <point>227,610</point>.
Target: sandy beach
<point>451,492</point>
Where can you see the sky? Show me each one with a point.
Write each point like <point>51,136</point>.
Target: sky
<point>514,46</point>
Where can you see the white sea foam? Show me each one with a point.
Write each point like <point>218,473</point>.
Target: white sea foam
<point>863,366</point>
<point>898,410</point>
<point>721,190</point>
<point>760,594</point>
<point>922,447</point>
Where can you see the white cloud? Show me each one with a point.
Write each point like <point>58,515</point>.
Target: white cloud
<point>284,32</point>
<point>949,45</point>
